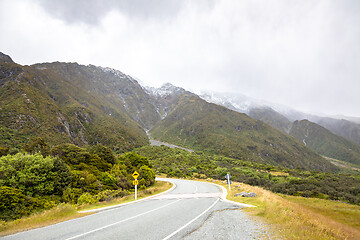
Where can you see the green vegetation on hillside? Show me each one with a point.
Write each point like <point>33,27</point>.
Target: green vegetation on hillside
<point>326,143</point>
<point>66,103</point>
<point>181,163</point>
<point>66,174</point>
<point>341,127</point>
<point>203,126</point>
<point>272,118</point>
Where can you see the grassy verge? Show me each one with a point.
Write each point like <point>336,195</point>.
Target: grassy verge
<point>301,218</point>
<point>60,213</point>
<point>64,212</point>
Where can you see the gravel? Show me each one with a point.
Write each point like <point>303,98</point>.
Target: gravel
<point>230,224</point>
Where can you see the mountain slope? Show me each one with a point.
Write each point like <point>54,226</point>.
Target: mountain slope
<point>271,117</point>
<point>347,127</point>
<point>197,124</point>
<point>343,128</point>
<point>114,87</point>
<point>324,142</point>
<point>63,102</point>
<point>166,98</point>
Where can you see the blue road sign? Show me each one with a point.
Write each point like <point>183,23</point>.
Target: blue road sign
<point>228,176</point>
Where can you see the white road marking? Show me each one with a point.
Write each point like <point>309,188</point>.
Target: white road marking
<point>181,228</point>
<point>189,195</point>
<point>196,189</point>
<point>124,220</point>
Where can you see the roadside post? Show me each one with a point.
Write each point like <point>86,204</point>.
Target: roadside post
<point>135,175</point>
<point>228,181</point>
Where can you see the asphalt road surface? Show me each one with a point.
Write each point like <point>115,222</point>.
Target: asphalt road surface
<point>177,214</point>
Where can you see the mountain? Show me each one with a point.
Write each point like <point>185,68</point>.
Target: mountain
<point>114,87</point>
<point>335,138</point>
<point>5,58</point>
<point>341,127</point>
<point>271,117</point>
<point>234,101</point>
<point>85,105</point>
<point>324,142</point>
<point>166,97</point>
<point>197,124</point>
<point>346,127</point>
<point>68,102</point>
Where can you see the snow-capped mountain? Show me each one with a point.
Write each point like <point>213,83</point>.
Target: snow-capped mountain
<point>281,117</point>
<point>242,103</point>
<point>234,101</point>
<point>166,97</point>
<point>165,90</point>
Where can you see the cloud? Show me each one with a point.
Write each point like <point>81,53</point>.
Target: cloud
<point>92,11</point>
<point>299,53</point>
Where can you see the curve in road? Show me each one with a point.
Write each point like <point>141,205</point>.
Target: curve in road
<point>169,216</point>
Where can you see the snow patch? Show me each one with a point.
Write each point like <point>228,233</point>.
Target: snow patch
<point>115,72</point>
<point>165,90</point>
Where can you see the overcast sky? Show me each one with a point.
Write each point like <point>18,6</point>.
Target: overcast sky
<point>304,54</point>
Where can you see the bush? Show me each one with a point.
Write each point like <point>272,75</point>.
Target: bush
<point>12,202</point>
<point>86,198</point>
<point>80,159</point>
<point>37,145</point>
<point>4,151</point>
<point>148,175</point>
<point>35,175</point>
<point>104,153</point>
<point>71,195</point>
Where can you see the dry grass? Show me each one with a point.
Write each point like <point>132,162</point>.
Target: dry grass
<point>279,173</point>
<point>66,212</point>
<point>301,218</point>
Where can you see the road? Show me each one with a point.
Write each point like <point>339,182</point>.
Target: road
<point>173,215</point>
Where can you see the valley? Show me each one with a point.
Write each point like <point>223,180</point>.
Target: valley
<point>92,127</point>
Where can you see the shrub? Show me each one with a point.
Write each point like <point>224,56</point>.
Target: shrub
<point>12,202</point>
<point>35,175</point>
<point>86,198</point>
<point>71,195</point>
<point>148,175</point>
<point>4,151</point>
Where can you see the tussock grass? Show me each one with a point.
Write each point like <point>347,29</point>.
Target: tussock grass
<point>279,174</point>
<point>301,218</point>
<point>64,212</point>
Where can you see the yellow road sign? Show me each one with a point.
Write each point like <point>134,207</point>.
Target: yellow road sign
<point>135,175</point>
<point>135,182</point>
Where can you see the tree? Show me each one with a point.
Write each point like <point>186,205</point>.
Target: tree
<point>134,161</point>
<point>104,153</point>
<point>148,175</point>
<point>78,158</point>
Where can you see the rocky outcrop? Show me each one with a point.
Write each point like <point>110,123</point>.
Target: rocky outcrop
<point>245,194</point>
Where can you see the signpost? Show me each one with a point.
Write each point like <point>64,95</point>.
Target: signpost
<point>135,175</point>
<point>228,181</point>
